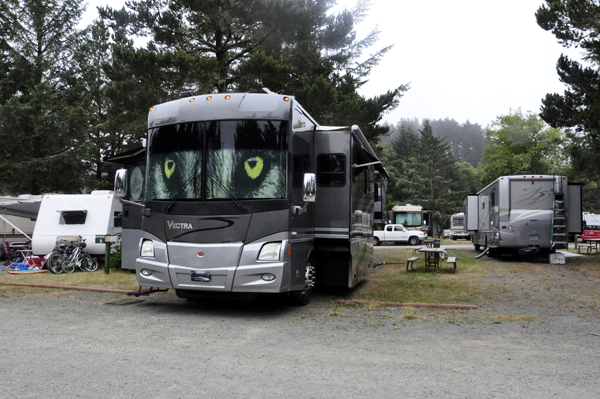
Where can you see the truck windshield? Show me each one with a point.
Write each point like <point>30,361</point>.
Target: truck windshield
<point>244,159</point>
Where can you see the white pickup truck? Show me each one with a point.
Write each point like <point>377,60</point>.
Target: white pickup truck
<point>399,233</point>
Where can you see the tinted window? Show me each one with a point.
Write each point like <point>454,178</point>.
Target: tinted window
<point>73,217</point>
<point>331,170</point>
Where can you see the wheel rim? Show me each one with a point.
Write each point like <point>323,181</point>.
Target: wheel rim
<point>68,266</point>
<point>309,277</point>
<point>55,263</point>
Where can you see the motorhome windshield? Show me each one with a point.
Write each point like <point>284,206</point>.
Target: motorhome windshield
<point>215,160</point>
<point>408,218</point>
<point>458,221</point>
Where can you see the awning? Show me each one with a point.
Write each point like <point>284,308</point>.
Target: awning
<point>24,209</point>
<point>129,156</point>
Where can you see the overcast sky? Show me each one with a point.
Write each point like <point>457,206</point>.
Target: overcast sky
<point>464,59</point>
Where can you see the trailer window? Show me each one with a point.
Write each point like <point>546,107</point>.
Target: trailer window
<point>73,217</point>
<point>331,170</point>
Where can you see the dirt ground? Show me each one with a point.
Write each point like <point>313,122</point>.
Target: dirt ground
<point>535,334</point>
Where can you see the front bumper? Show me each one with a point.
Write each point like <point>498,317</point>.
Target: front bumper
<point>227,267</point>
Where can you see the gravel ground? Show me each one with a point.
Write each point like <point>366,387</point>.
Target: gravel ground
<point>81,345</point>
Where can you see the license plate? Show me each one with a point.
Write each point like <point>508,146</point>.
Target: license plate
<point>533,237</point>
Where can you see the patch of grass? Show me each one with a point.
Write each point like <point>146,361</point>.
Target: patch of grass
<point>392,283</point>
<point>116,279</point>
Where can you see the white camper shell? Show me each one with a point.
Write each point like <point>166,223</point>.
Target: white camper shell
<point>524,214</point>
<point>85,215</point>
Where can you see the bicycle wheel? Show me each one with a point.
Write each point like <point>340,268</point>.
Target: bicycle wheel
<point>54,263</point>
<point>81,263</point>
<point>68,266</point>
<point>91,264</point>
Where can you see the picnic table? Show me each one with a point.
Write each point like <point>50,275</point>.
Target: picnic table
<point>432,257</point>
<point>590,245</point>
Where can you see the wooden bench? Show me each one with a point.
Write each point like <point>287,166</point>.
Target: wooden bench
<point>410,262</point>
<point>452,259</point>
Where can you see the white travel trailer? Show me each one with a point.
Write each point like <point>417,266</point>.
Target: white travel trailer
<point>68,215</point>
<point>524,214</point>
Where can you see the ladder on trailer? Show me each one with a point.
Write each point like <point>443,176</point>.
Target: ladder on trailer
<point>559,239</point>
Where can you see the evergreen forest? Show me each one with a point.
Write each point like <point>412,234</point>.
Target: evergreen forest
<point>71,95</point>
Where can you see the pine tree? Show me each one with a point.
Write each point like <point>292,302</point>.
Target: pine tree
<point>42,119</point>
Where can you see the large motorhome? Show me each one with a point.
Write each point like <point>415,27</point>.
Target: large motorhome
<point>524,214</point>
<point>247,193</point>
<point>413,217</point>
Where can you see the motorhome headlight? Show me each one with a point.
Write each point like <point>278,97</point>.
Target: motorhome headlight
<point>270,251</point>
<point>147,249</point>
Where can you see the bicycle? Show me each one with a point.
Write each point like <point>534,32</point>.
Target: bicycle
<point>54,260</point>
<point>80,259</point>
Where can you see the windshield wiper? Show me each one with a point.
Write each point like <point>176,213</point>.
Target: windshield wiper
<point>231,197</point>
<point>183,186</point>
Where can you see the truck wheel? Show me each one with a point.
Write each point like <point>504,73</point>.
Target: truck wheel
<point>303,298</point>
<point>377,242</point>
<point>413,240</point>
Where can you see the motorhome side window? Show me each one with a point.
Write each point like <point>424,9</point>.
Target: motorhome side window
<point>492,209</point>
<point>331,170</point>
<point>73,217</point>
<point>301,165</point>
<point>301,121</point>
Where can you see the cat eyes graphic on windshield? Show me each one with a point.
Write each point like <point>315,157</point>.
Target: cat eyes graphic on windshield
<point>169,167</point>
<point>254,167</point>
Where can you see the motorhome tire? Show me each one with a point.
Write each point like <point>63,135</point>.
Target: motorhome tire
<point>303,298</point>
<point>413,240</point>
<point>477,247</point>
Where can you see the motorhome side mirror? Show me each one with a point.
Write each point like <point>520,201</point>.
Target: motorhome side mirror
<point>120,181</point>
<point>309,188</point>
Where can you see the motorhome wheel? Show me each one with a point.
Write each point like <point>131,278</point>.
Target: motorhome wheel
<point>303,298</point>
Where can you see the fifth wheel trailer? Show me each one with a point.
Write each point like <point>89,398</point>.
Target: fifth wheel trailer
<point>524,214</point>
<point>247,193</point>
